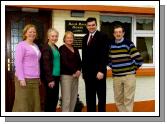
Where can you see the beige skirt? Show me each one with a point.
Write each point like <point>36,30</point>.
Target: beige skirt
<point>27,99</point>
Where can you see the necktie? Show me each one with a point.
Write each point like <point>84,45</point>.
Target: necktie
<point>90,40</point>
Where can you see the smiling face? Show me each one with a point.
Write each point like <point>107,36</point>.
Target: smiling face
<point>31,34</point>
<point>53,37</point>
<point>118,33</point>
<point>69,38</point>
<point>91,26</point>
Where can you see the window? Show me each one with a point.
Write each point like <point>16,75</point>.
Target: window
<point>144,24</point>
<point>144,38</point>
<point>145,47</point>
<point>108,22</point>
<point>138,28</point>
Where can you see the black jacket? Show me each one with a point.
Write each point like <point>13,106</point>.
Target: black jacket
<point>70,62</point>
<point>46,64</point>
<point>94,56</point>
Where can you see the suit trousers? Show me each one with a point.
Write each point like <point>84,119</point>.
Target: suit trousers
<point>52,96</point>
<point>69,92</point>
<point>93,87</point>
<point>124,92</point>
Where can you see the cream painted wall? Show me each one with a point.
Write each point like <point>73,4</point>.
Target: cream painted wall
<point>59,17</point>
<point>145,89</point>
<point>145,86</point>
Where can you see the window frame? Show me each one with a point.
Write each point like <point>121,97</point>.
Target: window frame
<point>120,15</point>
<point>144,33</point>
<point>135,42</point>
<point>138,33</point>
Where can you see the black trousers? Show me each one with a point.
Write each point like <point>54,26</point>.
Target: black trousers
<point>93,87</point>
<point>52,96</point>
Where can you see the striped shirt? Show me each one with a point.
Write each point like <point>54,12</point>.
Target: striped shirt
<point>124,58</point>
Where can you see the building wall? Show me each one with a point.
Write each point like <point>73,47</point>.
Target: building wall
<point>59,17</point>
<point>145,89</point>
<point>145,85</point>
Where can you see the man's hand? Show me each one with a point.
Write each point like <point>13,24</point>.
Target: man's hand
<point>100,75</point>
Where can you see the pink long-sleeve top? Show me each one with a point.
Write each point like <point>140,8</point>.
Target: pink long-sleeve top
<point>27,61</point>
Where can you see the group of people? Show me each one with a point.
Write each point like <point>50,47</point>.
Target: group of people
<point>52,65</point>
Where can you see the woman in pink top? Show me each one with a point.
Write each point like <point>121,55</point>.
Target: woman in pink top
<point>27,66</point>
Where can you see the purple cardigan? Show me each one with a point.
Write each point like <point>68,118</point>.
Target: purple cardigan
<point>26,61</point>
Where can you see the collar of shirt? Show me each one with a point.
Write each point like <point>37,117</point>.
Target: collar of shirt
<point>119,41</point>
<point>92,33</point>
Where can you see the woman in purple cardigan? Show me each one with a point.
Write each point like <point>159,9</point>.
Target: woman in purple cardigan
<point>27,73</point>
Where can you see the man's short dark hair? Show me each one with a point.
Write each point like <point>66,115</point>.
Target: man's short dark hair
<point>119,26</point>
<point>90,19</point>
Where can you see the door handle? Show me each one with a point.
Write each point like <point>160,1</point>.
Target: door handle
<point>8,64</point>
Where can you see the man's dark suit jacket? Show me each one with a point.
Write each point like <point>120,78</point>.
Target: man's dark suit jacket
<point>94,55</point>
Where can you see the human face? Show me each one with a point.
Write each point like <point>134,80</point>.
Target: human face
<point>31,34</point>
<point>53,37</point>
<point>91,26</point>
<point>69,39</point>
<point>118,33</point>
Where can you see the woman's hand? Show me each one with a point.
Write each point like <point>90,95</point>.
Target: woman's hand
<point>51,84</point>
<point>77,74</point>
<point>23,83</point>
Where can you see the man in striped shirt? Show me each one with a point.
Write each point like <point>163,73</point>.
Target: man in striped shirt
<point>124,59</point>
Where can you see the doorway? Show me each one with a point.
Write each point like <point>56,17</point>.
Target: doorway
<point>15,20</point>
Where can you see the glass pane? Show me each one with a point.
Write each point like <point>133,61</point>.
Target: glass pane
<point>145,47</point>
<point>108,22</point>
<point>20,32</point>
<point>14,25</point>
<point>144,24</point>
<point>21,23</point>
<point>14,32</point>
<point>20,38</point>
<point>15,40</point>
<point>40,30</point>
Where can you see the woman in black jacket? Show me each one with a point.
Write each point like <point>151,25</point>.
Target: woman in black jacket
<point>50,70</point>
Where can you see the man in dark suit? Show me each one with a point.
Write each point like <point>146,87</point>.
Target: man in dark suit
<point>94,61</point>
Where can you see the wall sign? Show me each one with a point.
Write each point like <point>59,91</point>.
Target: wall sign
<point>78,42</point>
<point>77,27</point>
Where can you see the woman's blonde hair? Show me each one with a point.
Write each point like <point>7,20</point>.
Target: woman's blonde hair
<point>28,26</point>
<point>66,33</point>
<point>52,30</point>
